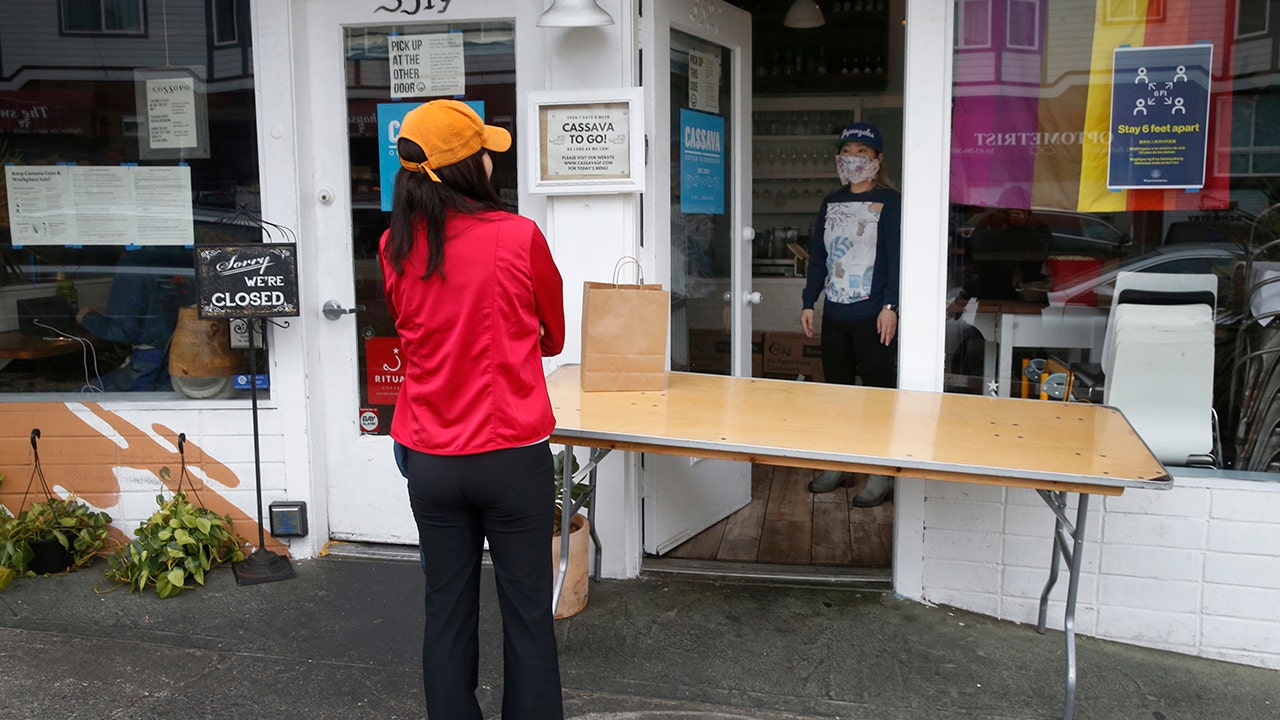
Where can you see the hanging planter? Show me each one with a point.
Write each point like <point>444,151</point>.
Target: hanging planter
<point>50,536</point>
<point>48,557</point>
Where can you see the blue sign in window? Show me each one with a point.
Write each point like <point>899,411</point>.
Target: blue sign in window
<point>1159,116</point>
<point>702,145</point>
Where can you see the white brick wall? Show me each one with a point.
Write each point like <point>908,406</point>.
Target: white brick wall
<point>1194,570</point>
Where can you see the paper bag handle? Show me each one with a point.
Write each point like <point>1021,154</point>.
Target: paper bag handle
<point>623,262</point>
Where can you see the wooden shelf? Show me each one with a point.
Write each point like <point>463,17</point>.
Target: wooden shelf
<point>847,54</point>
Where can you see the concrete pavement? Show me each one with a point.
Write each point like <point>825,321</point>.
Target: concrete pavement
<point>342,641</point>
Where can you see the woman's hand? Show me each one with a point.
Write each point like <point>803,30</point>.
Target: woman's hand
<point>887,325</point>
<point>806,321</point>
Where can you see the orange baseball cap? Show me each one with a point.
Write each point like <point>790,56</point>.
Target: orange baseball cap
<point>448,131</point>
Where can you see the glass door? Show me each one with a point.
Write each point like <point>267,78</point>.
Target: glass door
<point>365,69</point>
<point>697,79</point>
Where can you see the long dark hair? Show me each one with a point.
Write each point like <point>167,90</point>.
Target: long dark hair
<point>418,200</point>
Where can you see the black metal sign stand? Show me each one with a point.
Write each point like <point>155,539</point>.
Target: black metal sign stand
<point>253,282</point>
<point>263,565</point>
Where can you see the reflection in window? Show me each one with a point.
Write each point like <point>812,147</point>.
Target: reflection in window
<point>973,23</point>
<point>225,26</point>
<point>1252,17</point>
<point>102,16</point>
<point>1023,26</point>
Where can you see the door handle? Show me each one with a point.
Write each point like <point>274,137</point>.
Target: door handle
<point>333,309</point>
<point>749,297</point>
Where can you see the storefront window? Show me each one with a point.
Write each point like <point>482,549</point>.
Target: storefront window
<point>122,152</point>
<point>1125,137</point>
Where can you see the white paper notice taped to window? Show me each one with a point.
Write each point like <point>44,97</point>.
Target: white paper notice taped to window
<point>171,113</point>
<point>704,81</point>
<point>426,65</point>
<point>129,205</point>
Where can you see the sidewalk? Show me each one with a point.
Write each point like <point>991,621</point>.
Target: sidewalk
<point>342,641</point>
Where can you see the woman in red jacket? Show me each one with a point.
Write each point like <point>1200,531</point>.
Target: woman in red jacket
<point>478,302</point>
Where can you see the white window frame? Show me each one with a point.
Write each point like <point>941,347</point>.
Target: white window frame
<point>214,9</point>
<point>963,12</point>
<point>1266,19</point>
<point>1009,25</point>
<point>141,29</point>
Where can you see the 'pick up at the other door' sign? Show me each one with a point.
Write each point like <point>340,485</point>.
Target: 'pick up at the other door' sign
<point>253,280</point>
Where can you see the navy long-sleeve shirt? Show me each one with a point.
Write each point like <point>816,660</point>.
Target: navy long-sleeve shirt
<point>855,253</point>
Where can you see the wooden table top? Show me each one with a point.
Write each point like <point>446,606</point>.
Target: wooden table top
<point>16,346</point>
<point>1041,444</point>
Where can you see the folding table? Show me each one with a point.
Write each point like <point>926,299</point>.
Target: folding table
<point>1054,448</point>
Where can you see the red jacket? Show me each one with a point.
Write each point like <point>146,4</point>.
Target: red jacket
<point>473,377</point>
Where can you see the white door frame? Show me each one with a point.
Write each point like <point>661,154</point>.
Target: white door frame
<point>682,497</point>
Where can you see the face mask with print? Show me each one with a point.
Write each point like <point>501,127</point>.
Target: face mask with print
<point>856,168</point>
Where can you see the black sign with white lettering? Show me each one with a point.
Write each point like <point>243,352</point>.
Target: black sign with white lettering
<point>250,280</point>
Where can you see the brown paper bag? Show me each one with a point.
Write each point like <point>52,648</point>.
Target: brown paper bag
<point>624,335</point>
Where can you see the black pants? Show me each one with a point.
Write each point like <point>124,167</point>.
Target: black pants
<point>506,496</point>
<point>853,349</point>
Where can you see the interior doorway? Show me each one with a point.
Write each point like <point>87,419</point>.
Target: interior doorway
<point>808,83</point>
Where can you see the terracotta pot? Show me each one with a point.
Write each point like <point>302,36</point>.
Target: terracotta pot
<point>573,596</point>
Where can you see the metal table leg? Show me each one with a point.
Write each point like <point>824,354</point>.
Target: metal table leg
<point>569,507</point>
<point>1068,542</point>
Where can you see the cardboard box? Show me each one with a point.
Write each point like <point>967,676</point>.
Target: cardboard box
<point>709,352</point>
<point>788,356</point>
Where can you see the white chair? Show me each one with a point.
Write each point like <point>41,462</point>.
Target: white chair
<point>1157,360</point>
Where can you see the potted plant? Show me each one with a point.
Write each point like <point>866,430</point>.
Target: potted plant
<point>573,595</point>
<point>52,536</point>
<point>6,573</point>
<point>176,547</point>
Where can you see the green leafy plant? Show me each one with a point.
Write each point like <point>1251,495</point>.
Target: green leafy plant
<point>81,531</point>
<point>7,574</point>
<point>176,547</point>
<point>574,493</point>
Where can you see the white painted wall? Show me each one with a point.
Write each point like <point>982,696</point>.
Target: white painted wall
<point>588,234</point>
<point>1193,570</point>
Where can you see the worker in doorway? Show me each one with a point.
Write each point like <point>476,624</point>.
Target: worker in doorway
<point>854,255</point>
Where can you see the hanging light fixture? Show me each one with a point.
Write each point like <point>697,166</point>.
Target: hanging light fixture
<point>804,14</point>
<point>574,13</point>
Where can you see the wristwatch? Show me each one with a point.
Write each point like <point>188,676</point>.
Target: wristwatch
<point>890,306</point>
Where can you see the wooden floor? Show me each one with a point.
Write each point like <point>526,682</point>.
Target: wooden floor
<point>785,524</point>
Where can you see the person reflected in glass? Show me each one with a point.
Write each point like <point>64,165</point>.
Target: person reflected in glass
<point>854,256</point>
<point>1009,247</point>
<point>149,286</point>
<point>477,302</point>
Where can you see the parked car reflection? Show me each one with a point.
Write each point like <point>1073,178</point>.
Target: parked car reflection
<point>1219,259</point>
<point>1072,233</point>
